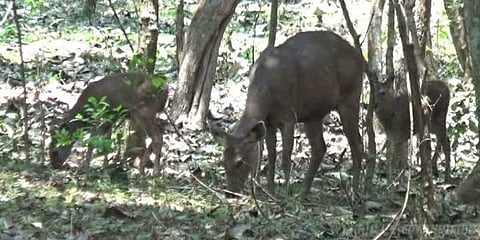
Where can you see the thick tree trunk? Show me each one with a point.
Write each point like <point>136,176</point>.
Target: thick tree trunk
<point>456,19</point>
<point>468,192</point>
<point>203,88</point>
<point>199,56</point>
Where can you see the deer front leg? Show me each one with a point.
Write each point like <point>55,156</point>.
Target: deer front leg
<point>271,142</point>
<point>287,144</point>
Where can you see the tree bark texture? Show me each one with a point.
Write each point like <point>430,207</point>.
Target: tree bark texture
<point>180,35</point>
<point>374,63</point>
<point>422,18</point>
<point>455,14</point>
<point>411,57</point>
<point>272,28</point>
<point>147,47</point>
<point>147,52</point>
<point>468,190</point>
<point>25,119</point>
<point>390,69</point>
<point>199,56</point>
<point>423,13</point>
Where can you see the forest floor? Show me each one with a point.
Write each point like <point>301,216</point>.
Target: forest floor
<point>62,53</point>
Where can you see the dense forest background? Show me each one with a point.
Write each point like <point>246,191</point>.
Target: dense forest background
<point>67,44</point>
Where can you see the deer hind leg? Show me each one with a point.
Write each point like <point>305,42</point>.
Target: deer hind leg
<point>444,144</point>
<point>157,144</point>
<point>439,128</point>
<point>314,131</point>
<point>349,116</point>
<point>146,120</point>
<point>435,157</point>
<point>135,149</point>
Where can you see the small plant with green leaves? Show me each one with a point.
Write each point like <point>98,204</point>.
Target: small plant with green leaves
<point>139,94</point>
<point>97,115</point>
<point>8,34</point>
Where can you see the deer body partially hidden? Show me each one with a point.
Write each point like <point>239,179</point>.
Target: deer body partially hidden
<point>301,80</point>
<point>136,93</point>
<point>393,112</point>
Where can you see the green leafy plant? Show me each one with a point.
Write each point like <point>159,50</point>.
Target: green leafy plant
<point>97,114</point>
<point>8,33</point>
<point>158,81</point>
<point>36,6</point>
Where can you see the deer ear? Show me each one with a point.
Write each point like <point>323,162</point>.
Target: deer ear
<point>258,132</point>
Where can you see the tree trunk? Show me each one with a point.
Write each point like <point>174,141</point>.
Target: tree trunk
<point>272,30</point>
<point>423,13</point>
<point>394,154</point>
<point>89,7</point>
<point>199,58</point>
<point>411,54</point>
<point>374,62</point>
<point>468,191</point>
<point>390,69</point>
<point>147,45</point>
<point>25,119</point>
<point>146,53</point>
<point>455,14</point>
<point>180,35</point>
<point>422,18</point>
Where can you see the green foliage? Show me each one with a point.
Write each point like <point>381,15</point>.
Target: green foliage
<point>103,144</point>
<point>158,81</point>
<point>456,4</point>
<point>462,123</point>
<point>139,61</point>
<point>168,17</point>
<point>100,113</point>
<point>63,138</point>
<point>449,67</point>
<point>54,78</point>
<point>96,114</point>
<point>8,34</point>
<point>248,54</point>
<point>36,6</point>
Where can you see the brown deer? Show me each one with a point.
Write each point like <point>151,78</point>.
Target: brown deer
<point>136,93</point>
<point>301,80</point>
<point>393,112</point>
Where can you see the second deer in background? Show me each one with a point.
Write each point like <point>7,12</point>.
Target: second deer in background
<point>393,112</point>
